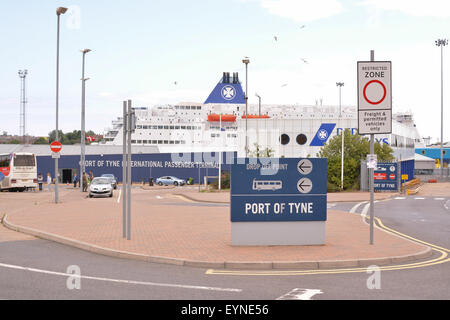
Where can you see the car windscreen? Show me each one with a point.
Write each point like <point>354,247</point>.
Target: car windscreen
<point>101,181</point>
<point>107,175</point>
<point>24,160</point>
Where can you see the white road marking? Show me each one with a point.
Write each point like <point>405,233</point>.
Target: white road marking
<point>118,198</point>
<point>159,197</point>
<point>356,206</point>
<point>419,198</point>
<point>439,198</point>
<point>300,294</point>
<point>400,198</point>
<point>181,286</point>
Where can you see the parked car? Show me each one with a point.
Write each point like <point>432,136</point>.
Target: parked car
<point>100,186</point>
<point>169,180</point>
<point>112,178</point>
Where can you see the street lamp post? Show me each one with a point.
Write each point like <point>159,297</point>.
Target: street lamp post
<point>246,60</point>
<point>340,85</point>
<point>83,116</point>
<point>441,43</point>
<point>59,11</point>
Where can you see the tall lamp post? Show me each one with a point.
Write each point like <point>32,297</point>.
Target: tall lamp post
<point>441,43</point>
<point>83,116</point>
<point>340,85</point>
<point>246,61</point>
<point>59,11</point>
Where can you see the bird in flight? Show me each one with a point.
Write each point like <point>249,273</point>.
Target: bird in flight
<point>175,82</point>
<point>302,26</point>
<point>276,38</point>
<point>304,60</point>
<point>284,85</point>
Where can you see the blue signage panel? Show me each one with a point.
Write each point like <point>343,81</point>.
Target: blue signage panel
<point>279,189</point>
<point>385,177</point>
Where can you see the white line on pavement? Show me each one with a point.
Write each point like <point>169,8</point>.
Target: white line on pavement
<point>356,206</point>
<point>118,198</point>
<point>439,198</point>
<point>181,286</point>
<point>400,198</point>
<point>419,198</point>
<point>300,294</point>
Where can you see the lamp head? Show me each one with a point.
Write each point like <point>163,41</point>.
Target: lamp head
<point>61,10</point>
<point>86,50</point>
<point>246,60</point>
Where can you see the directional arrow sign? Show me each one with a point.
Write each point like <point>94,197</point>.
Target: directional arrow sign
<point>304,166</point>
<point>304,185</point>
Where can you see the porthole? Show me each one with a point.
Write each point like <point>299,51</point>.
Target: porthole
<point>284,139</point>
<point>301,139</point>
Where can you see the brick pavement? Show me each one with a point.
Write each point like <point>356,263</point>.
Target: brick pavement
<point>165,226</point>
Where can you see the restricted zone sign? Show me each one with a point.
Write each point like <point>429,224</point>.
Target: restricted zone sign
<point>374,97</point>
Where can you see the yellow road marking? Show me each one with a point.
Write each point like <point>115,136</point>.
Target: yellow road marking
<point>443,258</point>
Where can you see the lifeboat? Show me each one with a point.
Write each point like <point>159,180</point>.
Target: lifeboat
<point>225,117</point>
<point>256,116</point>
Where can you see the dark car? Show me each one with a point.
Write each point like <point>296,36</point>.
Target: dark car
<point>112,178</point>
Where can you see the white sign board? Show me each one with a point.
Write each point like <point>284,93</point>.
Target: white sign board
<point>372,161</point>
<point>374,97</point>
<point>56,155</point>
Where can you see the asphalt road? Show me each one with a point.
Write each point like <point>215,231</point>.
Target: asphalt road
<point>112,278</point>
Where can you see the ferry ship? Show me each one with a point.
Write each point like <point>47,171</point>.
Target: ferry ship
<point>222,123</point>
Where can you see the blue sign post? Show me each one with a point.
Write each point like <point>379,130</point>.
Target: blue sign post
<point>272,193</point>
<point>386,176</point>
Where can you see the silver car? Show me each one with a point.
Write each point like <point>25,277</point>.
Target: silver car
<point>100,186</point>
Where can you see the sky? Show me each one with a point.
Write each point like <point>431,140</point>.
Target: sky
<point>298,50</point>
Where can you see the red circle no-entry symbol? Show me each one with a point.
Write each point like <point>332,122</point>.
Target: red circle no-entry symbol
<point>56,146</point>
<point>384,92</point>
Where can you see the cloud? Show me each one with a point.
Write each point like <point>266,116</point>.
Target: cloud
<point>417,8</point>
<point>303,10</point>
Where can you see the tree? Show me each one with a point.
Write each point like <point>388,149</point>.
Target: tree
<point>261,153</point>
<point>356,148</point>
<point>73,137</point>
<point>41,140</point>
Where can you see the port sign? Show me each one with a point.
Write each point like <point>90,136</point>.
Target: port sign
<point>374,97</point>
<point>279,189</point>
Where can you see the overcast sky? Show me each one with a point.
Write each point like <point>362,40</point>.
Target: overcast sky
<point>140,48</point>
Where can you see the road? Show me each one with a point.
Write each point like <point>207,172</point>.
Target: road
<point>37,269</point>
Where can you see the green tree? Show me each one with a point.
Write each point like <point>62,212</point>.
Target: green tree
<point>261,153</point>
<point>41,140</point>
<point>356,148</point>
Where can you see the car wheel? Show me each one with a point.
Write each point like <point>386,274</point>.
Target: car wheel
<point>160,183</point>
<point>90,195</point>
<point>175,183</point>
<point>111,194</point>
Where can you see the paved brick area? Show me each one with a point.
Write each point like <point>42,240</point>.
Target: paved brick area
<point>164,225</point>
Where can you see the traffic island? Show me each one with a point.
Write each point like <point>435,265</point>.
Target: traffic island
<point>168,230</point>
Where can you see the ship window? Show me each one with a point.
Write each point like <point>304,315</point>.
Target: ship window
<point>188,108</point>
<point>423,152</point>
<point>139,141</point>
<point>166,142</point>
<point>154,141</point>
<point>171,127</point>
<point>160,142</point>
<point>160,127</point>
<point>183,127</point>
<point>301,139</point>
<point>145,127</point>
<point>133,141</point>
<point>138,127</point>
<point>171,142</point>
<point>166,127</point>
<point>177,142</point>
<point>284,139</point>
<point>189,127</point>
<point>177,127</point>
<point>183,142</point>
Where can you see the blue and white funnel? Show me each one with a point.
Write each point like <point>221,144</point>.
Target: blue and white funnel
<point>228,90</point>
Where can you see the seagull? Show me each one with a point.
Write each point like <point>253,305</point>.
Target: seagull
<point>302,26</point>
<point>276,38</point>
<point>175,83</point>
<point>284,85</point>
<point>304,60</point>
